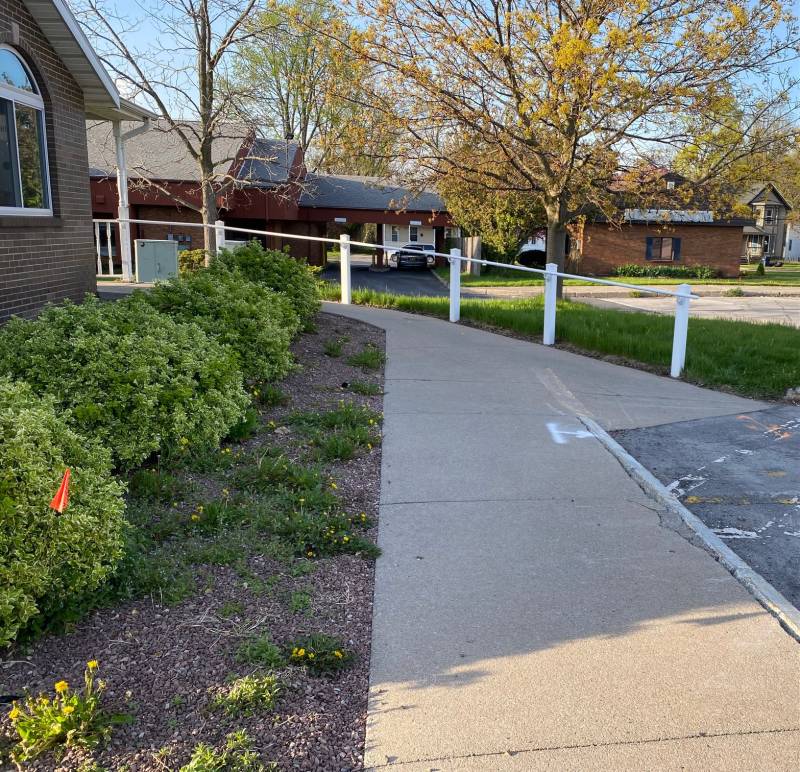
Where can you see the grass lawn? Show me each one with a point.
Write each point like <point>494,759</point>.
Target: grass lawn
<point>755,360</point>
<point>507,277</point>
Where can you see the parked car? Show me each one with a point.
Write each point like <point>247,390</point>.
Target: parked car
<point>413,255</point>
<point>532,254</point>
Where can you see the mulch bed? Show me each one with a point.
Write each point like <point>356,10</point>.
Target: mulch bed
<point>164,664</point>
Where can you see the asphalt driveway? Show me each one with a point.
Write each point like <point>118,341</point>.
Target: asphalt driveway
<point>407,281</point>
<point>740,474</point>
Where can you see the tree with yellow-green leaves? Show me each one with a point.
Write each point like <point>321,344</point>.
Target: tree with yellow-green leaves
<point>561,98</point>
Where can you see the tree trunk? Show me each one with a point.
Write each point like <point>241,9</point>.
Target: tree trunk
<point>557,238</point>
<point>210,216</point>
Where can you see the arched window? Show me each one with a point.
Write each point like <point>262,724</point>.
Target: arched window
<point>24,182</point>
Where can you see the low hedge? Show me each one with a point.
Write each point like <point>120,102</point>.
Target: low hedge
<point>48,558</point>
<point>666,271</point>
<point>129,376</point>
<point>256,322</point>
<point>276,270</point>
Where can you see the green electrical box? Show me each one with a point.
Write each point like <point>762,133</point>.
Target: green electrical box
<point>156,260</point>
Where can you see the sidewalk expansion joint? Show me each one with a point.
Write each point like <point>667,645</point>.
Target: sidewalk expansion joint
<point>585,746</point>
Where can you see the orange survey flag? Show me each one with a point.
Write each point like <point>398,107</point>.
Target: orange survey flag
<point>61,499</point>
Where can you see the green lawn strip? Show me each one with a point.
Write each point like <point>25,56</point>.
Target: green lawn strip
<point>508,277</point>
<point>755,360</point>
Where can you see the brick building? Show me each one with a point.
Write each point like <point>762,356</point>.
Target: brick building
<point>665,238</point>
<point>50,81</point>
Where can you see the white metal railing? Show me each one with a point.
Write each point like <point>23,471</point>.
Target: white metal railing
<point>107,228</point>
<point>550,274</point>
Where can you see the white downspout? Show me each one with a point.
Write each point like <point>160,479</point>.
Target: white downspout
<point>123,209</point>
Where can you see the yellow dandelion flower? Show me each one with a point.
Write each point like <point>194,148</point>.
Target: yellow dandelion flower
<point>184,441</point>
<point>200,508</point>
<point>301,652</point>
<point>310,554</point>
<point>346,538</point>
<point>311,655</point>
<point>334,485</point>
<point>13,714</point>
<point>92,664</point>
<point>195,517</point>
<point>67,709</point>
<point>337,654</point>
<point>61,686</point>
<point>225,492</point>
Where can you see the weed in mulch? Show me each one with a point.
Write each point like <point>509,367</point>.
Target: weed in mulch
<point>248,694</point>
<point>364,388</point>
<point>320,653</point>
<point>236,756</point>
<point>340,433</point>
<point>260,650</point>
<point>334,347</point>
<point>247,427</point>
<point>370,358</point>
<point>269,395</point>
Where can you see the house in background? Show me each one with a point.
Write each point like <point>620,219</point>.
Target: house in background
<point>671,233</point>
<point>767,237</point>
<point>264,185</point>
<point>50,82</point>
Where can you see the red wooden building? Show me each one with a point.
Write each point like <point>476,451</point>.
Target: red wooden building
<point>264,186</point>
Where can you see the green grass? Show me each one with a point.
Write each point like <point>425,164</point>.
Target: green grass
<point>755,360</point>
<point>364,388</point>
<point>508,277</point>
<point>260,650</point>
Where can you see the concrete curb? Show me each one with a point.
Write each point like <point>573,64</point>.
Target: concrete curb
<point>773,601</point>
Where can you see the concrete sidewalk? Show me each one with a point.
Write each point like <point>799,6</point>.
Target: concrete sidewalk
<point>531,612</point>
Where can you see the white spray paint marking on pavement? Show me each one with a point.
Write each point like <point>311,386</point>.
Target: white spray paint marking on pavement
<point>796,534</point>
<point>746,452</point>
<point>561,436</point>
<point>679,487</point>
<point>719,460</point>
<point>735,533</point>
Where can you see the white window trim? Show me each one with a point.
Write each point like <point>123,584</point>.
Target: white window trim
<point>18,95</point>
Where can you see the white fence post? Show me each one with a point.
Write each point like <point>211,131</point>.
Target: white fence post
<point>455,285</point>
<point>344,266</point>
<point>219,234</point>
<point>681,330</point>
<point>550,298</point>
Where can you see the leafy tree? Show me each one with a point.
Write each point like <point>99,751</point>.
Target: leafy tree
<point>298,82</point>
<point>568,94</point>
<point>181,72</point>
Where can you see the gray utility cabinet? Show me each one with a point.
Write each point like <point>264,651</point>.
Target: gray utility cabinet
<point>156,260</point>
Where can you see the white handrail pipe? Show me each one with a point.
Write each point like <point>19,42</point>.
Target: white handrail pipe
<point>455,284</point>
<point>550,303</point>
<point>344,267</point>
<point>681,332</point>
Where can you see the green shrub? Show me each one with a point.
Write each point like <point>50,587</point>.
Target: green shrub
<point>256,322</point>
<point>276,270</point>
<point>48,558</point>
<point>370,358</point>
<point>191,260</point>
<point>133,378</point>
<point>666,271</point>
<point>760,268</point>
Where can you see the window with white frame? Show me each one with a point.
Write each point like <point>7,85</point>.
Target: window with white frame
<point>413,233</point>
<point>24,179</point>
<point>770,215</point>
<point>395,233</point>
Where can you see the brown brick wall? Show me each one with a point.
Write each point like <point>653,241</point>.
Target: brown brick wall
<point>605,247</point>
<point>51,258</point>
